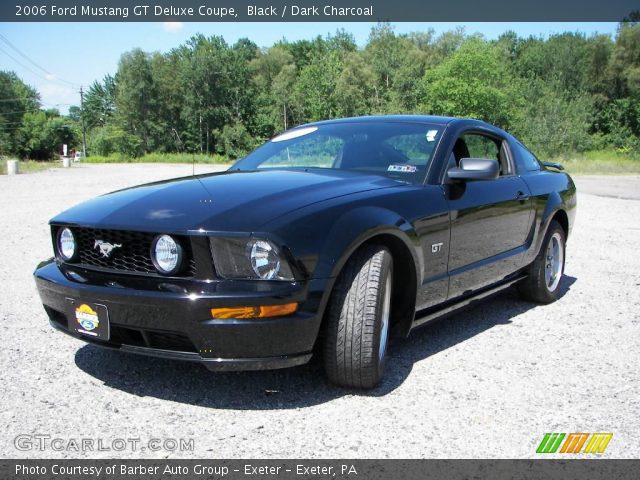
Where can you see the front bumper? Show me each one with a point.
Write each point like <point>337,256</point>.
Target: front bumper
<point>170,318</point>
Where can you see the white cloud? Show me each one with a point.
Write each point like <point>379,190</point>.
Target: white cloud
<point>57,96</point>
<point>172,27</point>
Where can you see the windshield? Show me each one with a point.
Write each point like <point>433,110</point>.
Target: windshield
<point>398,150</point>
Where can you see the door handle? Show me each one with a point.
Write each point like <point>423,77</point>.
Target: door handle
<point>522,196</point>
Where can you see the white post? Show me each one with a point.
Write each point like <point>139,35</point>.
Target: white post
<point>13,167</point>
<point>66,162</point>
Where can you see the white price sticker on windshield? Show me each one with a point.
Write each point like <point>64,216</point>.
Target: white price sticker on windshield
<point>402,168</point>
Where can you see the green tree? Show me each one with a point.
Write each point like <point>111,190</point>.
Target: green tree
<point>42,135</point>
<point>564,93</point>
<point>100,102</point>
<point>273,75</point>
<point>315,90</point>
<point>206,81</point>
<point>563,59</point>
<point>136,99</point>
<point>16,100</point>
<point>356,88</point>
<point>472,82</point>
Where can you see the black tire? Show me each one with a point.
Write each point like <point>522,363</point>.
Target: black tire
<point>537,286</point>
<point>353,355</point>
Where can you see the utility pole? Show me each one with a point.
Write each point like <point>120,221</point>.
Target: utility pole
<point>84,131</point>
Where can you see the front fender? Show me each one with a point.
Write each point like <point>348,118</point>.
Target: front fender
<point>353,229</point>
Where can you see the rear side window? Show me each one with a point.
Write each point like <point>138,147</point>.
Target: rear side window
<point>526,161</point>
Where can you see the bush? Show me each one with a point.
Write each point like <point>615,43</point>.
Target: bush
<point>552,124</point>
<point>41,135</point>
<point>234,141</point>
<point>111,139</point>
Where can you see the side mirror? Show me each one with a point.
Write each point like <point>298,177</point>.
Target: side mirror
<point>475,169</point>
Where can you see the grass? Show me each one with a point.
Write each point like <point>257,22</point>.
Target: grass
<point>159,158</point>
<point>28,166</point>
<point>601,162</point>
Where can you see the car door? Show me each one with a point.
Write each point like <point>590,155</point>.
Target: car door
<point>489,218</point>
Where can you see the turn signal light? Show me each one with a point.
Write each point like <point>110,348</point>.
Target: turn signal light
<point>265,311</point>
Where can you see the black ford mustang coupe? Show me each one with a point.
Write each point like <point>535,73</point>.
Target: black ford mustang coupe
<point>329,238</point>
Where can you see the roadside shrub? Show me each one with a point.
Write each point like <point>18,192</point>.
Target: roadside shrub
<point>234,141</point>
<point>110,140</point>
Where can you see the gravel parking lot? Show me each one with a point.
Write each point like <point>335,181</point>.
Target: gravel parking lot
<point>489,382</point>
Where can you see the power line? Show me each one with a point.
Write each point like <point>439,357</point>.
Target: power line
<point>22,64</point>
<point>28,59</point>
<point>29,68</point>
<point>6,40</point>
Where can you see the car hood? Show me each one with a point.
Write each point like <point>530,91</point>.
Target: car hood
<point>238,201</point>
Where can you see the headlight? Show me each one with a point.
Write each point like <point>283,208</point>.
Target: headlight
<point>166,254</point>
<point>243,258</point>
<point>264,260</point>
<point>66,244</point>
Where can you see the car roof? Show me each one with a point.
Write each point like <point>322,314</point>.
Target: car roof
<point>431,119</point>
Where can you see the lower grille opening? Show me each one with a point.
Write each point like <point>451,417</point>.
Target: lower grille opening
<point>57,317</point>
<point>128,336</point>
<point>151,339</point>
<point>170,341</point>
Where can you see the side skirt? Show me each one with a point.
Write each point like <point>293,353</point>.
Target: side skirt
<point>430,314</point>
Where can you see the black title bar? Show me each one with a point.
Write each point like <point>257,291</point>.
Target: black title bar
<point>316,10</point>
<point>318,469</point>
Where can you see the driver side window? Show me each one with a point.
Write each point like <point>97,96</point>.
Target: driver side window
<point>476,145</point>
<point>481,147</point>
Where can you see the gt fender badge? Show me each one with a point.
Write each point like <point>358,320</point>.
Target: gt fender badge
<point>436,247</point>
<point>106,248</point>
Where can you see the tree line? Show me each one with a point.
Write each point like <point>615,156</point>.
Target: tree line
<point>562,94</point>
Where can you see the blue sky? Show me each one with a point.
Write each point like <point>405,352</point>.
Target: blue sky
<point>68,55</point>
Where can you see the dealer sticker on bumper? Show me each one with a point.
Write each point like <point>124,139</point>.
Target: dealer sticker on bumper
<point>87,318</point>
<point>91,320</point>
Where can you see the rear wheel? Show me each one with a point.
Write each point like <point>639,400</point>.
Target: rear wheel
<point>358,319</point>
<point>545,273</point>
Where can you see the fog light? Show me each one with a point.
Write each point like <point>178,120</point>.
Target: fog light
<point>66,244</point>
<point>166,254</point>
<point>264,311</point>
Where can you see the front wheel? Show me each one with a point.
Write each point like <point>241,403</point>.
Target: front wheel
<point>545,273</point>
<point>358,319</point>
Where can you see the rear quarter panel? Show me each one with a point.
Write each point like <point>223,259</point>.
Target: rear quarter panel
<point>551,191</point>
